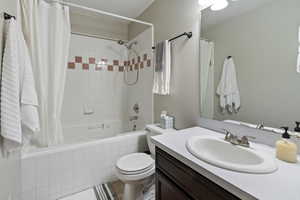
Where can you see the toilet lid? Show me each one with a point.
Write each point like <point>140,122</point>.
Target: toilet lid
<point>135,162</point>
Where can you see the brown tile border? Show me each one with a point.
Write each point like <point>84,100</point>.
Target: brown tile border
<point>85,66</point>
<point>92,60</point>
<point>121,68</point>
<point>110,68</point>
<point>71,65</point>
<point>78,59</point>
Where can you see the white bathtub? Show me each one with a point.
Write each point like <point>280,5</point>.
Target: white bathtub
<point>50,173</point>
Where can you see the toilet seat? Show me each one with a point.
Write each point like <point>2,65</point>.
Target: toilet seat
<point>135,166</point>
<point>135,163</point>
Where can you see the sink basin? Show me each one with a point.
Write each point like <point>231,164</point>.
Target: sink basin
<point>220,153</point>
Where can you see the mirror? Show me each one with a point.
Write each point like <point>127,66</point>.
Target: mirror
<point>260,37</point>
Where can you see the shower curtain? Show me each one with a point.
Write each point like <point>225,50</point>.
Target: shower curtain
<point>47,30</point>
<point>206,79</point>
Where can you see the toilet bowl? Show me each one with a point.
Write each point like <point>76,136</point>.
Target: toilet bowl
<point>134,169</point>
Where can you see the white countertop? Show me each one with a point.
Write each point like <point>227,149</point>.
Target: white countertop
<point>284,184</point>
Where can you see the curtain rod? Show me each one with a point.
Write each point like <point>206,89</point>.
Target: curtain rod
<point>101,12</point>
<point>189,35</point>
<point>96,36</point>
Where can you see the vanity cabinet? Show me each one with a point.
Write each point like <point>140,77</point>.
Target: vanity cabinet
<point>176,181</point>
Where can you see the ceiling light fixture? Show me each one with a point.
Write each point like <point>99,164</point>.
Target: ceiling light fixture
<point>219,5</point>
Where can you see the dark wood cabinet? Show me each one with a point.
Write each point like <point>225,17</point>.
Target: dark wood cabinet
<point>176,181</point>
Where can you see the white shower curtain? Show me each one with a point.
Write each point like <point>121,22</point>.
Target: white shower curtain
<point>47,30</point>
<point>206,79</point>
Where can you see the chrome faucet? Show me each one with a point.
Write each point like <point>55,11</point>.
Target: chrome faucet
<point>233,139</point>
<point>260,126</point>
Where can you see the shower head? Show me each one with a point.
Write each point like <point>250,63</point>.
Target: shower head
<point>126,44</point>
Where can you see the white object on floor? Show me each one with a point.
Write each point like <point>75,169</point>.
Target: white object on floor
<point>228,88</point>
<point>135,169</point>
<point>162,74</point>
<point>85,195</point>
<point>298,60</point>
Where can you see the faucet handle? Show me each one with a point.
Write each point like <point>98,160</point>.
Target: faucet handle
<point>229,135</point>
<point>245,141</point>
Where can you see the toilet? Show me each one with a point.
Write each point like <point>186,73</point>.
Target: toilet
<point>134,169</point>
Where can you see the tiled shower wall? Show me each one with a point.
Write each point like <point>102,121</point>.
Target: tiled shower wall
<point>95,92</point>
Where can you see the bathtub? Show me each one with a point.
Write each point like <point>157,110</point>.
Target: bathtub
<point>54,172</point>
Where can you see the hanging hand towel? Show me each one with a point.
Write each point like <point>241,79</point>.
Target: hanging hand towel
<point>162,74</point>
<point>228,88</point>
<point>18,95</point>
<point>298,61</point>
<point>10,88</point>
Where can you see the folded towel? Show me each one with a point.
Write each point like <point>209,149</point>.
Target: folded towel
<point>162,75</point>
<point>298,60</point>
<point>228,88</point>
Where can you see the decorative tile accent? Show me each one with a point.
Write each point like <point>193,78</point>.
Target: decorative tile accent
<point>136,66</point>
<point>116,62</point>
<point>92,60</point>
<point>71,65</point>
<point>121,68</point>
<point>148,63</point>
<point>78,59</point>
<point>110,68</point>
<point>85,66</point>
<point>135,63</point>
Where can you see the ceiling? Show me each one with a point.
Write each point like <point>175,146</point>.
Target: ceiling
<point>236,8</point>
<point>128,8</point>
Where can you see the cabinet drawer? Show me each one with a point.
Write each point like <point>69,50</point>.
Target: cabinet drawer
<point>193,183</point>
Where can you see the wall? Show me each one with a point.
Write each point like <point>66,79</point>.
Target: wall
<point>98,88</point>
<point>9,167</point>
<point>141,93</point>
<point>172,17</point>
<point>95,76</point>
<point>88,23</point>
<point>264,46</point>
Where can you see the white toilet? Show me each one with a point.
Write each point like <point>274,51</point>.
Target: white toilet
<point>134,169</point>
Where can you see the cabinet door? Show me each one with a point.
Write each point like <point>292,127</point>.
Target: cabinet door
<point>167,190</point>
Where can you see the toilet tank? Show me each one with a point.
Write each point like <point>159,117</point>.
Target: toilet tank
<point>153,130</point>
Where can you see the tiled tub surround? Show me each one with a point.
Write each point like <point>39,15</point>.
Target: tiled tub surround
<point>95,91</point>
<point>48,174</point>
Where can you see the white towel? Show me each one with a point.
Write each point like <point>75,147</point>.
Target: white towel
<point>18,96</point>
<point>29,100</point>
<point>162,74</point>
<point>228,88</point>
<point>298,60</point>
<point>10,88</point>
